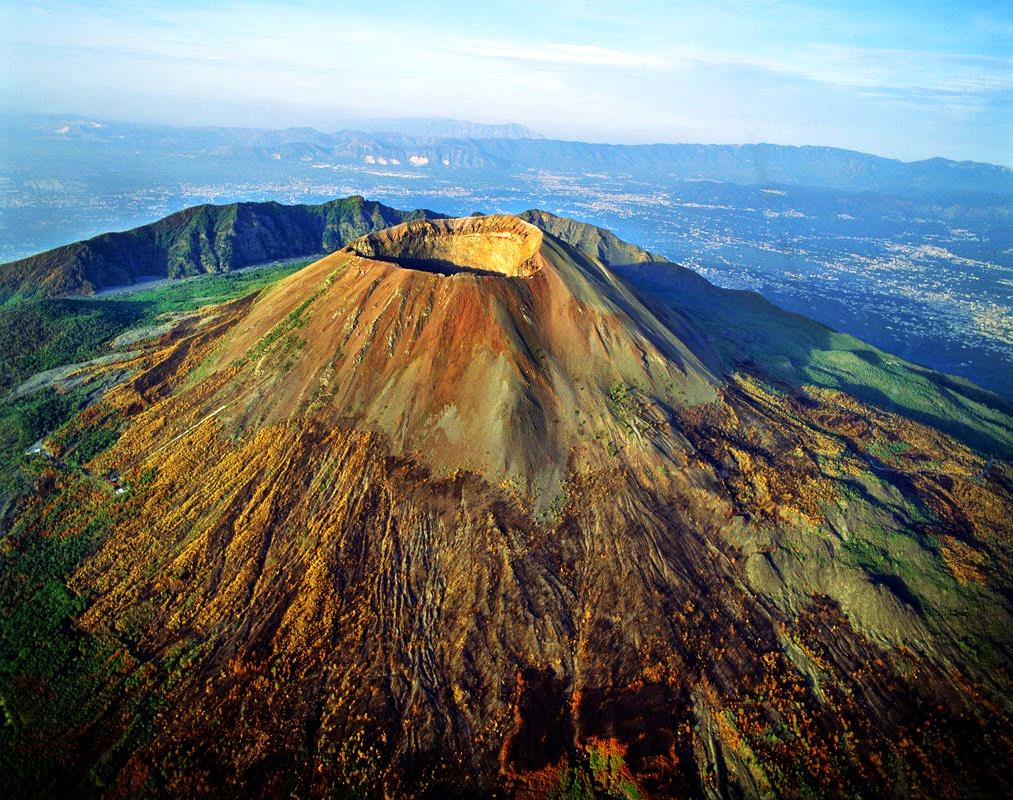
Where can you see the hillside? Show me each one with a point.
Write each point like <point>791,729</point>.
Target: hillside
<point>747,329</point>
<point>200,239</point>
<point>590,239</point>
<point>458,510</point>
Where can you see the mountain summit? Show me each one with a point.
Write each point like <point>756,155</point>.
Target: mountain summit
<point>481,343</point>
<point>496,506</point>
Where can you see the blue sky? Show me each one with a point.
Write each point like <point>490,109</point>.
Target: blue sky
<point>909,80</point>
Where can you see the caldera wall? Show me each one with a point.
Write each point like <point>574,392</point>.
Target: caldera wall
<point>487,245</point>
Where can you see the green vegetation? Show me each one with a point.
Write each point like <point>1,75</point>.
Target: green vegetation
<point>291,321</point>
<point>22,423</point>
<point>574,784</point>
<point>887,452</point>
<point>628,410</point>
<point>899,562</point>
<point>623,407</point>
<point>200,240</point>
<point>745,328</point>
<point>40,334</point>
<point>60,685</point>
<point>601,775</point>
<point>91,441</point>
<point>53,679</point>
<point>189,295</point>
<point>608,770</point>
<point>37,335</point>
<point>910,566</point>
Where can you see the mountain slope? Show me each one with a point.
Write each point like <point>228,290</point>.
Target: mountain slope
<point>200,239</point>
<point>748,330</point>
<point>471,370</point>
<point>458,511</point>
<point>590,240</point>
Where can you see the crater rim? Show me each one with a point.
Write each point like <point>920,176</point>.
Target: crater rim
<point>496,245</point>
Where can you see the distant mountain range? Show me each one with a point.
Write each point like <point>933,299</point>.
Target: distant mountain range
<point>435,145</point>
<point>444,128</point>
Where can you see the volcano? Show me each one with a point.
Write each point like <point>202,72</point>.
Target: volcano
<point>469,508</point>
<point>476,344</point>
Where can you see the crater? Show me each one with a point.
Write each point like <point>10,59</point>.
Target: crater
<point>497,245</point>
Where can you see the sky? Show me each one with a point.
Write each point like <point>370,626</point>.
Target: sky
<point>903,79</point>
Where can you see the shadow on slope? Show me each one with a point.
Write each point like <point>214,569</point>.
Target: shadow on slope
<point>745,328</point>
<point>437,266</point>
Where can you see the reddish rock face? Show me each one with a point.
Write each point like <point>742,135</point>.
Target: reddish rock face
<point>456,511</point>
<point>474,344</point>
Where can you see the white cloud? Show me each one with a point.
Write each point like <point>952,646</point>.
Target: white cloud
<point>556,53</point>
<point>878,68</point>
<point>855,67</point>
